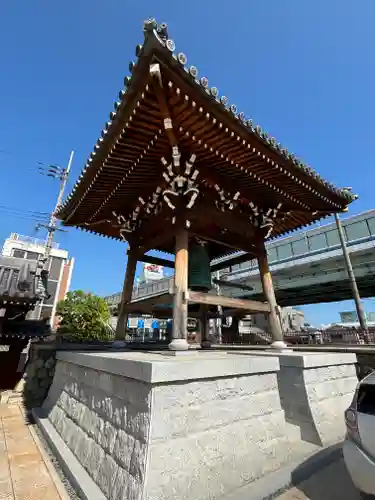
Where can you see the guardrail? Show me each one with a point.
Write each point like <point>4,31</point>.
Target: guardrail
<point>332,337</point>
<point>146,290</point>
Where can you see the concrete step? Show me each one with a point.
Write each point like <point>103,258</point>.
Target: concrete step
<point>11,397</point>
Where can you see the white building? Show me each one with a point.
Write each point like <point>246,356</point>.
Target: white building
<point>291,320</point>
<point>60,272</point>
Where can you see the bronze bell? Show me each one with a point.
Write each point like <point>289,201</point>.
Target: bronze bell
<point>199,272</point>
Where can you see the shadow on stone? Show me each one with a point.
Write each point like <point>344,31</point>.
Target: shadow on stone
<point>294,402</point>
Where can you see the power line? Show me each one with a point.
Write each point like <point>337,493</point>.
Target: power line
<point>18,216</point>
<point>23,210</point>
<point>49,170</point>
<point>24,214</point>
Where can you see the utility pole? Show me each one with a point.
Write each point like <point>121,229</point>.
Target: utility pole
<point>353,284</point>
<point>52,225</point>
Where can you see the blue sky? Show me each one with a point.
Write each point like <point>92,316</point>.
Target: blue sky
<point>303,70</point>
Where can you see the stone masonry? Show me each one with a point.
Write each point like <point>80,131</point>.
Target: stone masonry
<point>104,419</point>
<point>157,427</point>
<point>39,373</point>
<point>315,389</point>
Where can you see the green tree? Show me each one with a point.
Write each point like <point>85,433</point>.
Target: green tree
<point>84,317</point>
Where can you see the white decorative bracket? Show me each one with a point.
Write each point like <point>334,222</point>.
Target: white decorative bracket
<point>226,201</point>
<point>264,219</point>
<point>180,185</point>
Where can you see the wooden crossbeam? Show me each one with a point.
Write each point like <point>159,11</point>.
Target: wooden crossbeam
<point>219,300</point>
<point>233,284</point>
<point>147,303</point>
<point>149,259</point>
<point>232,222</point>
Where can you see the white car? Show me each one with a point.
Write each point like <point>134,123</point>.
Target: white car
<point>359,445</point>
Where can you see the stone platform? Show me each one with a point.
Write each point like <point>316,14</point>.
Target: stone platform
<point>315,389</point>
<point>198,425</point>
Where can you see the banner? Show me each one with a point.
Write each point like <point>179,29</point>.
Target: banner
<point>152,272</point>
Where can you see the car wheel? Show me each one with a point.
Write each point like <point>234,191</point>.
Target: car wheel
<point>366,496</point>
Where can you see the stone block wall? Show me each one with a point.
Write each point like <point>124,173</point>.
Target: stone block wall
<point>214,436</point>
<point>39,373</point>
<point>146,426</point>
<point>315,390</point>
<point>104,419</point>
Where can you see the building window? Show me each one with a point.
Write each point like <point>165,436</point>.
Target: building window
<point>356,230</point>
<point>20,254</point>
<point>317,242</point>
<point>32,256</point>
<point>284,251</point>
<point>333,237</point>
<point>272,254</point>
<point>371,225</point>
<point>54,272</point>
<point>300,247</point>
<point>46,312</point>
<point>52,287</point>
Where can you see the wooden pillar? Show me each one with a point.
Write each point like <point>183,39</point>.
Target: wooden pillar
<point>234,331</point>
<point>205,343</point>
<point>269,293</point>
<point>180,301</point>
<point>127,291</point>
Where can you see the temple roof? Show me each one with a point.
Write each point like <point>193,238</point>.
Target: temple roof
<point>231,153</point>
<point>18,282</point>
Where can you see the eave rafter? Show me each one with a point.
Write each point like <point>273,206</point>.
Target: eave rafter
<point>236,150</point>
<point>190,130</point>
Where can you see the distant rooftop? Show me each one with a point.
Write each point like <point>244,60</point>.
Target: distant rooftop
<point>32,241</point>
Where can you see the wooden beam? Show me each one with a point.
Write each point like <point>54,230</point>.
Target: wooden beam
<point>238,235</point>
<point>200,234</point>
<point>219,300</point>
<point>232,222</point>
<point>126,294</point>
<point>233,261</point>
<point>148,303</point>
<point>229,313</point>
<point>156,240</point>
<point>233,284</point>
<point>149,259</point>
<point>161,97</point>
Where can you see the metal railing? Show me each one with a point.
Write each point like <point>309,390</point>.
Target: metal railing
<point>30,240</point>
<point>331,337</point>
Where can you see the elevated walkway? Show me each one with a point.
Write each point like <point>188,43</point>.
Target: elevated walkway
<point>306,268</point>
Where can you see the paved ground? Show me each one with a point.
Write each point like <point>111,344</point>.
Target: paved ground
<point>25,472</point>
<point>332,483</point>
